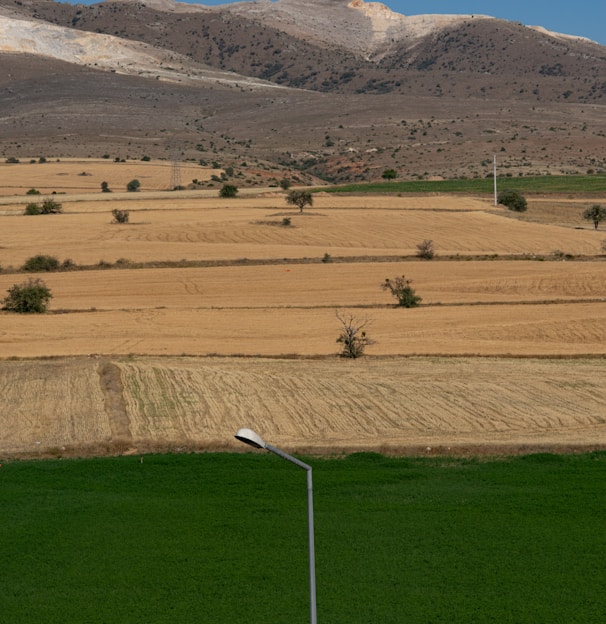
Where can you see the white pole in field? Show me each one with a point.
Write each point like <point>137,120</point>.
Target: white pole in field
<point>495,178</point>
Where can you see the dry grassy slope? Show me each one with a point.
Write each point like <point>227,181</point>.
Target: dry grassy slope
<point>96,405</point>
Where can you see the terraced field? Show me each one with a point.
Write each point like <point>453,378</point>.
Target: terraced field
<point>194,278</point>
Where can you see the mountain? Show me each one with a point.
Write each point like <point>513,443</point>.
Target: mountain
<point>335,88</point>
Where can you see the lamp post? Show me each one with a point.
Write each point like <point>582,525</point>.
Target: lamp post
<point>253,439</point>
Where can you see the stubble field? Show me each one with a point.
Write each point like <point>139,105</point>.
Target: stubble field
<point>517,305</point>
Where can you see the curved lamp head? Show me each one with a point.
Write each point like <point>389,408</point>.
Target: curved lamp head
<point>248,436</point>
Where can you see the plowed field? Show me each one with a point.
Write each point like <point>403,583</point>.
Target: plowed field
<point>249,285</point>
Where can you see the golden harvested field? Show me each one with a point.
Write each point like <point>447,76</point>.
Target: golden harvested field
<point>271,295</point>
<point>417,405</point>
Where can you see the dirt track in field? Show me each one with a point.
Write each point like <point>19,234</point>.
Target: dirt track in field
<point>92,398</point>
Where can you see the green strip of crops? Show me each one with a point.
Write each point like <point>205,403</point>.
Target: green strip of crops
<point>221,538</point>
<point>529,184</point>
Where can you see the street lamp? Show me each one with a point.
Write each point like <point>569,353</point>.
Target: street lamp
<point>253,439</point>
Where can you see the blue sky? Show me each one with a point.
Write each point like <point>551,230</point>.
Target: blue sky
<point>585,18</point>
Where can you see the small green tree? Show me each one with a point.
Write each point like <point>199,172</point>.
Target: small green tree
<point>32,209</point>
<point>596,214</point>
<point>133,186</point>
<point>353,336</point>
<point>400,288</point>
<point>513,200</point>
<point>285,184</point>
<point>300,199</point>
<point>33,191</point>
<point>41,264</point>
<point>389,174</point>
<point>105,187</point>
<point>31,297</point>
<point>228,190</point>
<point>120,216</point>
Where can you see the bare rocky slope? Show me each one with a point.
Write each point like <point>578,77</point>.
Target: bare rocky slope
<point>335,89</point>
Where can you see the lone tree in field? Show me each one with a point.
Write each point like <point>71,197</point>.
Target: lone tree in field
<point>228,190</point>
<point>133,186</point>
<point>513,200</point>
<point>105,187</point>
<point>400,288</point>
<point>31,297</point>
<point>353,336</point>
<point>596,214</point>
<point>300,199</point>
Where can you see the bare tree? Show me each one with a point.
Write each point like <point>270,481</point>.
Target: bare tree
<point>426,250</point>
<point>353,335</point>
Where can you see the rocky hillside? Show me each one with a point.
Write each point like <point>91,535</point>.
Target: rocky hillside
<point>336,89</point>
<point>333,46</point>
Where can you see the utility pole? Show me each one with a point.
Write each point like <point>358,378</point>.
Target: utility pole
<point>495,178</point>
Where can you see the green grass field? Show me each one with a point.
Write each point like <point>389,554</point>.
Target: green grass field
<point>221,538</point>
<point>528,184</point>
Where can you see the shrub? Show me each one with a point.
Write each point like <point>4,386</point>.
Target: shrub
<point>133,186</point>
<point>228,190</point>
<point>353,336</point>
<point>285,184</point>
<point>513,200</point>
<point>31,297</point>
<point>105,187</point>
<point>426,250</point>
<point>40,264</point>
<point>401,289</point>
<point>120,216</point>
<point>389,174</point>
<point>326,258</point>
<point>286,222</point>
<point>32,209</point>
<point>50,206</point>
<point>33,191</point>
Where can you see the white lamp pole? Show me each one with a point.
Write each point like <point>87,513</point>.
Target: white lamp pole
<point>253,439</point>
